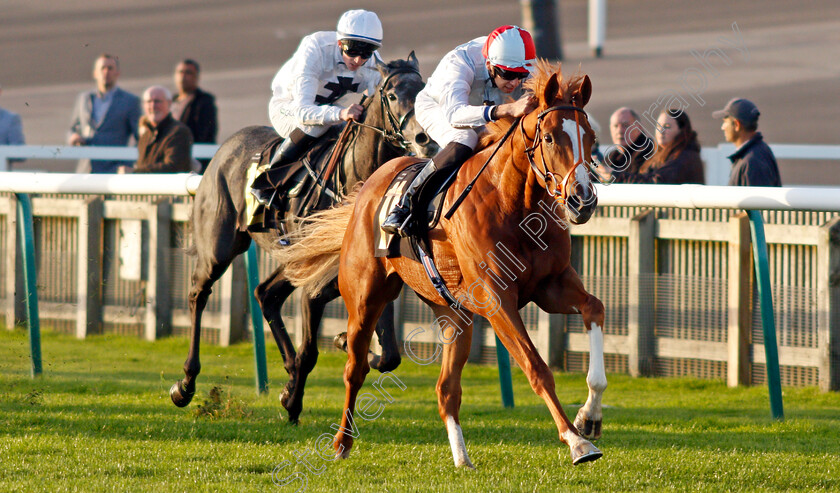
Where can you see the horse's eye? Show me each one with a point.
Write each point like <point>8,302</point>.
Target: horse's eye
<point>548,138</point>
<point>392,97</point>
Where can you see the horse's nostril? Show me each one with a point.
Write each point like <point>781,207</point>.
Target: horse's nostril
<point>421,139</point>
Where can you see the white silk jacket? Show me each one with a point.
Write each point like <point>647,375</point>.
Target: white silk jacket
<point>462,87</point>
<point>315,77</point>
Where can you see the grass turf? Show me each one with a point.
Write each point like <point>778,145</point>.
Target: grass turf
<point>100,419</point>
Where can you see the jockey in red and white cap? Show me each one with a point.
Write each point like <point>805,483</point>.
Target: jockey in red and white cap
<point>326,66</point>
<point>467,90</point>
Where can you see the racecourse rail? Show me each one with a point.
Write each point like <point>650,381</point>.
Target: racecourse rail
<point>717,165</point>
<point>671,263</point>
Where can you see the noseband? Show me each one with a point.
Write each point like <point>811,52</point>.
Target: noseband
<point>551,180</point>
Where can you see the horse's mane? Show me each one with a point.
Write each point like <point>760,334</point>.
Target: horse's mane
<point>399,64</point>
<point>494,131</point>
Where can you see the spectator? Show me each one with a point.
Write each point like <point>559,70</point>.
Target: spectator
<point>193,107</point>
<point>106,116</point>
<point>632,146</point>
<point>165,144</point>
<point>11,129</point>
<point>677,157</point>
<point>753,164</point>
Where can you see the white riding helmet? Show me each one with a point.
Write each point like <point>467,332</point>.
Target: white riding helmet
<point>510,48</point>
<point>361,25</point>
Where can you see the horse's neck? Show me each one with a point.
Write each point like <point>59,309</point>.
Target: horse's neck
<point>368,149</point>
<point>517,186</point>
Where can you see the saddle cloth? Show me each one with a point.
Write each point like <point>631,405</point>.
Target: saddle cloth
<point>291,180</point>
<point>428,199</point>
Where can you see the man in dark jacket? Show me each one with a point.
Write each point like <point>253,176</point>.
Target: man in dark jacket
<point>165,144</point>
<point>753,163</point>
<point>631,146</point>
<point>193,107</point>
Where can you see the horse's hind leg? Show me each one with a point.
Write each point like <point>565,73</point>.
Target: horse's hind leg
<point>385,331</point>
<point>456,333</point>
<point>271,293</point>
<point>365,297</point>
<point>566,294</point>
<point>212,262</point>
<point>312,310</point>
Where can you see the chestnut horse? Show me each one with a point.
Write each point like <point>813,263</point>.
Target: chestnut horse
<point>538,176</point>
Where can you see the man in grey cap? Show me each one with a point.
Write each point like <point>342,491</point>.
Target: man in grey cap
<point>753,163</point>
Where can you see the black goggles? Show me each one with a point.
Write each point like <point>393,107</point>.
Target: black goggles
<point>509,74</point>
<point>354,48</point>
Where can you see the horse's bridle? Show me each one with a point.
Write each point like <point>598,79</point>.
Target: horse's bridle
<point>393,135</point>
<point>551,180</point>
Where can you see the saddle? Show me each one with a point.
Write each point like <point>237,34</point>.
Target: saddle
<point>426,209</point>
<point>294,180</point>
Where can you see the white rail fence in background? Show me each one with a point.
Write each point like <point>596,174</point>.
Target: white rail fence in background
<point>715,158</point>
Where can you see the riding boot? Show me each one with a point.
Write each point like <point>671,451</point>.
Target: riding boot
<point>288,152</point>
<point>454,154</point>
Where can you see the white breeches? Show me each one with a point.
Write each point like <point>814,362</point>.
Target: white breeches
<point>430,116</point>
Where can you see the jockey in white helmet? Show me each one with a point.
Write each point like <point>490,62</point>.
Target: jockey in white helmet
<point>467,90</point>
<point>326,66</point>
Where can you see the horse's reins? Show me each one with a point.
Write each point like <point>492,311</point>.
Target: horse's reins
<point>394,137</point>
<point>557,190</point>
<point>469,187</point>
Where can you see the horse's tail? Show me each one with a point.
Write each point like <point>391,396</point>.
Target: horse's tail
<point>311,261</point>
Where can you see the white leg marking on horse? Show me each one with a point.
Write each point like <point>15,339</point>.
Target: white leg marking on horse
<point>596,379</point>
<point>456,442</point>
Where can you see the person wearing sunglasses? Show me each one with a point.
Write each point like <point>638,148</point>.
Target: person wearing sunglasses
<point>326,66</point>
<point>478,82</point>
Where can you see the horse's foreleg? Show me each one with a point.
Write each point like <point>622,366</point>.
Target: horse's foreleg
<point>456,333</point>
<point>567,295</point>
<point>365,296</point>
<point>511,331</point>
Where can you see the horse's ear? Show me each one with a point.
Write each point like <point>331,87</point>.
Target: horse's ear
<point>583,92</point>
<point>412,59</point>
<point>382,67</point>
<point>552,87</point>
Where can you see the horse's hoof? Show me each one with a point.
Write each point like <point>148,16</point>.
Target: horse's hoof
<point>585,452</point>
<point>340,341</point>
<point>343,454</point>
<point>181,397</point>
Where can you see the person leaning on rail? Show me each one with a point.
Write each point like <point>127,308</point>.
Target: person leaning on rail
<point>165,144</point>
<point>11,129</point>
<point>106,116</point>
<point>753,163</point>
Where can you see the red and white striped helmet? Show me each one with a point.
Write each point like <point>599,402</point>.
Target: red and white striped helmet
<point>510,48</point>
